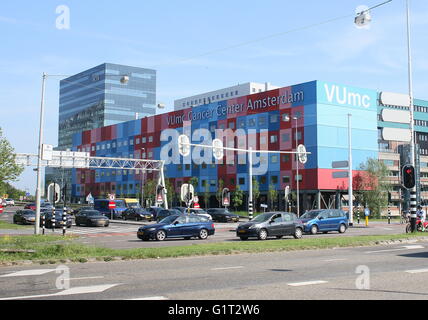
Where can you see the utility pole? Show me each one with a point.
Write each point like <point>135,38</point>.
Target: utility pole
<point>350,195</point>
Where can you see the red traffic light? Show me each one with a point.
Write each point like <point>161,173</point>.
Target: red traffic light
<point>409,179</point>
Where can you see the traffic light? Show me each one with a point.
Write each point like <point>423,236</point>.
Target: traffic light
<point>409,179</point>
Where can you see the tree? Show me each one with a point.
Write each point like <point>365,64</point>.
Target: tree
<point>238,197</point>
<point>372,186</point>
<point>256,191</point>
<point>219,193</point>
<point>9,170</point>
<point>206,194</point>
<point>170,192</point>
<point>273,196</point>
<point>150,191</point>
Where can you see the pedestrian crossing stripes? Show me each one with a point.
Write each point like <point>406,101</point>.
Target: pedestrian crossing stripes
<point>109,231</point>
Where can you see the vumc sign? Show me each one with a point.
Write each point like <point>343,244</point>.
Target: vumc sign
<point>329,93</point>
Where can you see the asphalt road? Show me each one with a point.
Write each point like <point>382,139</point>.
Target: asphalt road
<point>122,235</point>
<point>390,272</point>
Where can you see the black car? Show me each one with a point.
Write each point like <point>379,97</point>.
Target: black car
<point>91,218</point>
<point>49,221</point>
<point>166,213</point>
<point>271,224</point>
<point>137,214</point>
<point>24,217</point>
<point>76,211</point>
<point>154,211</point>
<point>222,215</point>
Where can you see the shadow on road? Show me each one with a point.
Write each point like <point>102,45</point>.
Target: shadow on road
<point>415,255</point>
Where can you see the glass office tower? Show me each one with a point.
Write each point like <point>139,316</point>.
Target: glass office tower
<point>97,97</point>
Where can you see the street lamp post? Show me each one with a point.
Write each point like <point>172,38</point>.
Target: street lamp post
<point>39,160</point>
<point>297,172</point>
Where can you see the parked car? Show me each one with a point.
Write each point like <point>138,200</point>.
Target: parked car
<point>200,212</point>
<point>24,217</point>
<point>154,211</point>
<point>166,213</point>
<point>48,215</point>
<point>271,224</point>
<point>325,220</point>
<point>137,214</point>
<point>181,209</point>
<point>30,206</point>
<point>9,202</point>
<point>131,203</point>
<point>92,218</point>
<point>178,226</point>
<point>76,211</point>
<point>102,205</point>
<point>222,215</point>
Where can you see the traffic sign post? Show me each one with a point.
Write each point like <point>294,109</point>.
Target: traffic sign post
<point>367,214</point>
<point>226,197</point>
<point>187,195</point>
<point>111,206</point>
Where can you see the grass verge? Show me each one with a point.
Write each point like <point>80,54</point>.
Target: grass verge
<point>57,249</point>
<point>11,226</point>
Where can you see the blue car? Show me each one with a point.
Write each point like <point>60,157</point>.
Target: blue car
<point>178,226</point>
<point>101,205</point>
<point>325,220</point>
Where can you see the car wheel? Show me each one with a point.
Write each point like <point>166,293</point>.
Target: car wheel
<point>342,228</point>
<point>314,229</point>
<point>106,225</point>
<point>244,238</point>
<point>298,233</point>
<point>203,234</point>
<point>160,235</point>
<point>263,234</point>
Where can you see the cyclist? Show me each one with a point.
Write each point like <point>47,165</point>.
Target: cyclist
<point>422,216</point>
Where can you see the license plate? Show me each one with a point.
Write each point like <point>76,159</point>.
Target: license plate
<point>140,233</point>
<point>241,231</point>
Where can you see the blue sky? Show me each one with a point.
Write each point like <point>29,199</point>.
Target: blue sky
<point>181,40</point>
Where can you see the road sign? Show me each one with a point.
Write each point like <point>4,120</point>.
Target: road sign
<point>226,197</point>
<point>112,197</point>
<point>159,199</point>
<point>183,145</point>
<point>218,149</point>
<point>90,198</point>
<point>187,193</point>
<point>264,206</point>
<point>367,212</point>
<point>54,194</point>
<point>303,157</point>
<point>47,152</point>
<point>196,206</point>
<point>195,199</point>
<point>112,205</point>
<point>340,174</point>
<point>340,164</point>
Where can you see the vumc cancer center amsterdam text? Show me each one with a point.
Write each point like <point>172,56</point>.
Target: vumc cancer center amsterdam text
<point>314,114</point>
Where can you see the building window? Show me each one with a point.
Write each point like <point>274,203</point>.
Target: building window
<point>285,137</point>
<point>285,157</point>
<point>150,139</point>
<point>241,181</point>
<point>263,180</point>
<point>285,179</point>
<point>274,179</point>
<point>273,139</point>
<point>274,159</point>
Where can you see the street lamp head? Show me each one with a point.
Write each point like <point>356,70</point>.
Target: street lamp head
<point>124,80</point>
<point>363,18</point>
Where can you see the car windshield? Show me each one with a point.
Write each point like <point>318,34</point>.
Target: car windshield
<point>141,210</point>
<point>169,220</point>
<point>120,204</point>
<point>310,215</point>
<point>134,205</point>
<point>28,213</point>
<point>262,218</point>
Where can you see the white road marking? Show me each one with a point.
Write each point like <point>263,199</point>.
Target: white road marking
<point>334,260</point>
<point>150,298</point>
<point>398,249</point>
<point>27,273</point>
<point>87,278</point>
<point>227,268</point>
<point>72,291</point>
<point>417,271</point>
<point>307,283</point>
